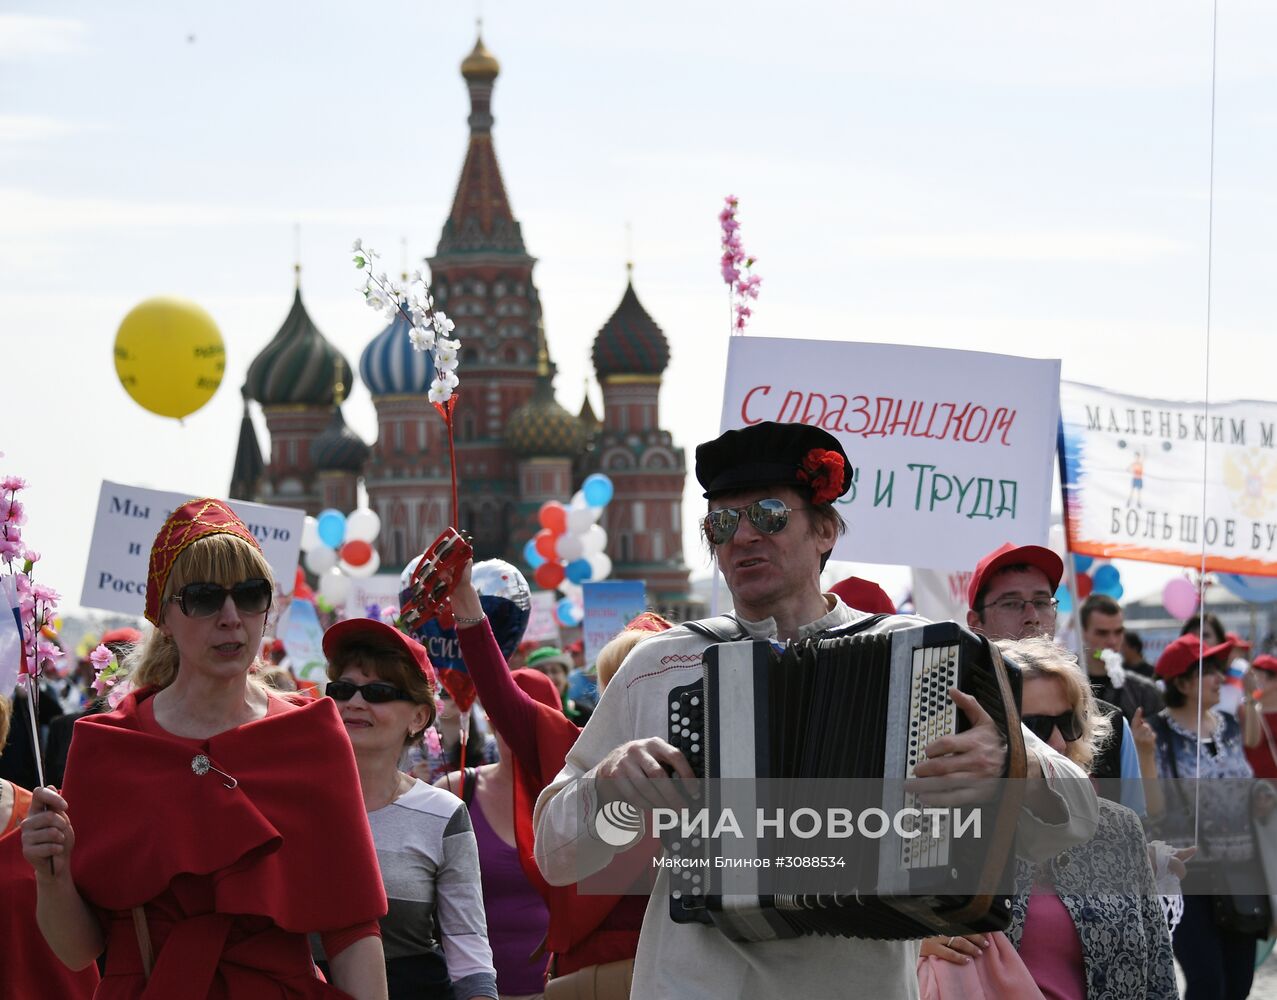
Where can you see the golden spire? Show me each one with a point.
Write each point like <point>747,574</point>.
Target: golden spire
<point>480,64</point>
<point>339,388</point>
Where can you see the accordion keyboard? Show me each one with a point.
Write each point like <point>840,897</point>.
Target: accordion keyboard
<point>932,714</point>
<point>686,732</point>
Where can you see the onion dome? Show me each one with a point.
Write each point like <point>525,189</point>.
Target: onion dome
<point>542,428</point>
<point>391,366</point>
<point>630,343</point>
<point>480,64</point>
<point>249,465</point>
<point>338,448</point>
<point>299,366</point>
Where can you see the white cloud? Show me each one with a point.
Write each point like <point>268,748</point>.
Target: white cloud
<point>30,35</point>
<point>31,128</point>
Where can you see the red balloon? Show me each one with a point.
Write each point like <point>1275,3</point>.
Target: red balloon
<point>549,575</point>
<point>356,553</point>
<point>545,540</point>
<point>1084,586</point>
<point>554,518</point>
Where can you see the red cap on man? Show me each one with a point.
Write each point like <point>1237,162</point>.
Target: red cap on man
<point>1237,642</point>
<point>863,595</point>
<point>1051,565</point>
<point>1265,662</point>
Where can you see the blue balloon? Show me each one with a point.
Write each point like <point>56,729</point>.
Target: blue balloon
<point>1065,598</point>
<point>1255,589</point>
<point>332,527</point>
<point>569,614</point>
<point>578,570</point>
<point>530,554</point>
<point>597,490</point>
<point>1106,578</point>
<point>1082,563</point>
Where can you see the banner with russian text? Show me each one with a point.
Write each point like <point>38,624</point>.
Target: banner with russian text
<point>953,450</point>
<point>1164,481</point>
<point>129,518</point>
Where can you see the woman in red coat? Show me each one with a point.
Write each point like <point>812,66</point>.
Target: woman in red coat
<point>196,831</point>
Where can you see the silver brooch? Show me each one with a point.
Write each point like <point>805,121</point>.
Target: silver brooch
<point>201,765</point>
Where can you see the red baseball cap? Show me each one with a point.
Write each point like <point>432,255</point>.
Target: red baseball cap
<point>1236,641</point>
<point>1014,555</point>
<point>122,636</point>
<point>1265,662</point>
<point>537,686</point>
<point>1182,655</point>
<point>863,595</point>
<point>354,628</point>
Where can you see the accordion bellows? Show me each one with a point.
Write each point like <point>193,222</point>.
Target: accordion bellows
<point>840,721</point>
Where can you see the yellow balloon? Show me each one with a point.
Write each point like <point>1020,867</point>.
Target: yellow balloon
<point>169,356</point>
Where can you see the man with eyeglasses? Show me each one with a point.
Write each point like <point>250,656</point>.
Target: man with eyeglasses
<point>771,526</point>
<point>1011,596</point>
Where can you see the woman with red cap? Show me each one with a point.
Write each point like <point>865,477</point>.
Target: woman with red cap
<point>1215,940</point>
<point>193,853</point>
<point>1261,705</point>
<point>385,687</point>
<point>591,936</point>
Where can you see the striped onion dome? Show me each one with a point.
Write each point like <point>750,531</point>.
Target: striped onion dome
<point>391,366</point>
<point>630,343</point>
<point>542,428</point>
<point>338,448</point>
<point>299,366</point>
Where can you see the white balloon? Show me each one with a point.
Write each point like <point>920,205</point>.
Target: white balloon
<point>601,565</point>
<point>569,589</point>
<point>593,542</point>
<point>310,534</point>
<point>580,519</point>
<point>320,560</point>
<point>578,499</point>
<point>408,570</point>
<point>569,547</point>
<point>359,572</point>
<point>334,587</point>
<point>362,525</point>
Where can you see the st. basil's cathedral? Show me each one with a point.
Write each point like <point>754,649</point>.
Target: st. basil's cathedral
<point>516,447</point>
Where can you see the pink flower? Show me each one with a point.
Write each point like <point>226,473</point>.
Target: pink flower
<point>13,483</point>
<point>119,692</point>
<point>101,658</point>
<point>730,274</point>
<point>10,549</point>
<point>433,744</point>
<point>32,556</point>
<point>41,592</point>
<point>17,513</point>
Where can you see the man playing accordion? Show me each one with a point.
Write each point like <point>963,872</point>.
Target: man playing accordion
<point>771,524</point>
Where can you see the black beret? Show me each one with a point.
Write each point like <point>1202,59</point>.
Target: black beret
<point>772,454</point>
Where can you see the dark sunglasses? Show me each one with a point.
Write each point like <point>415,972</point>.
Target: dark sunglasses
<point>202,600</point>
<point>768,516</point>
<point>1069,725</point>
<point>374,692</point>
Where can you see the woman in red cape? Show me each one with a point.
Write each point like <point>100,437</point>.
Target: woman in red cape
<point>585,929</point>
<point>198,824</point>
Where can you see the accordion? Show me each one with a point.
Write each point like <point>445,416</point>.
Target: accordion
<point>849,715</point>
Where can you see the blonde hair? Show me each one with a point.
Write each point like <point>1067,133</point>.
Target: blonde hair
<point>6,710</point>
<point>389,661</point>
<point>222,558</point>
<point>1042,658</point>
<point>614,653</point>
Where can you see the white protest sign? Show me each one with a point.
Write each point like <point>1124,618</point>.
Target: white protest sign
<point>381,590</point>
<point>941,596</point>
<point>542,625</point>
<point>129,518</point>
<point>303,638</point>
<point>609,606</point>
<point>1140,473</point>
<point>952,450</point>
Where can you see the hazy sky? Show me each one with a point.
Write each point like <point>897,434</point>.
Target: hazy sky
<point>1022,177</point>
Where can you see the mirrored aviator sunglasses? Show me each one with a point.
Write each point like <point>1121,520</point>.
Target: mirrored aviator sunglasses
<point>202,600</point>
<point>374,692</point>
<point>1069,725</point>
<point>768,516</point>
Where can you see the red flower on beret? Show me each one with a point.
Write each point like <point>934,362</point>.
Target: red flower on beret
<point>823,471</point>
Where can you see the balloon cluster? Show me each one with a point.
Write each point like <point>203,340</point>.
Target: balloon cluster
<point>1103,579</point>
<point>338,547</point>
<point>569,550</point>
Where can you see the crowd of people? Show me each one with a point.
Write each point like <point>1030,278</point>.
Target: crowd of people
<point>217,833</point>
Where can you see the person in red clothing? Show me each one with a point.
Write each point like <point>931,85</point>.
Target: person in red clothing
<point>1261,687</point>
<point>29,968</point>
<point>193,858</point>
<point>585,930</point>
